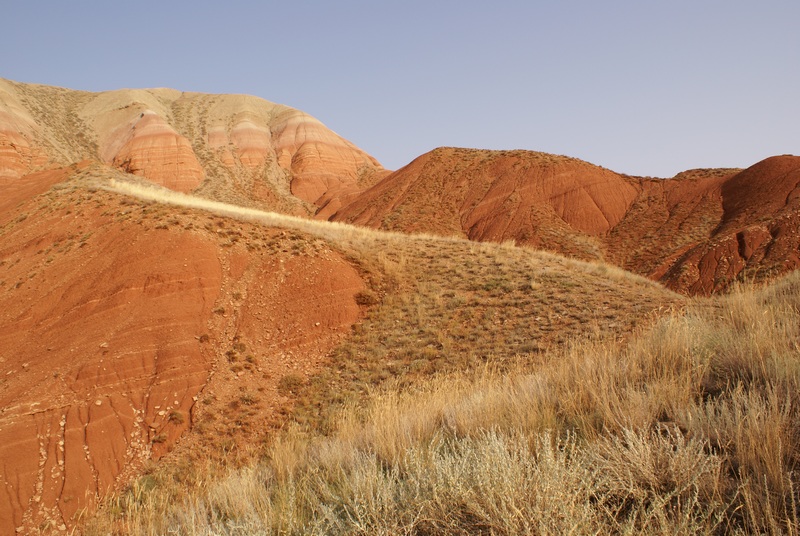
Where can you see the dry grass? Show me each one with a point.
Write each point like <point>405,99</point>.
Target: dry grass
<point>454,305</point>
<point>493,389</point>
<point>691,427</point>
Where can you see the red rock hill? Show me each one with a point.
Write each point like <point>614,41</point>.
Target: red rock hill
<point>697,232</point>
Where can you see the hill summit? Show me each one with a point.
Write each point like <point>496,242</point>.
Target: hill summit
<point>234,148</point>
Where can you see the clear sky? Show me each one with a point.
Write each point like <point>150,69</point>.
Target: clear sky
<point>645,87</point>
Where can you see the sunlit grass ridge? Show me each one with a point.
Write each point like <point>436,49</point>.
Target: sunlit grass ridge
<point>162,195</point>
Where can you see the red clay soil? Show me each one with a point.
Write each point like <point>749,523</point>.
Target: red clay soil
<point>117,318</point>
<point>697,232</point>
<point>666,216</point>
<point>758,234</point>
<point>16,191</point>
<point>332,201</point>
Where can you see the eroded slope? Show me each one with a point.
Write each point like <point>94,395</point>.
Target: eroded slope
<point>536,199</point>
<point>117,315</point>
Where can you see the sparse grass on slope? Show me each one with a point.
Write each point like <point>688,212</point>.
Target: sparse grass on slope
<point>440,305</point>
<point>690,427</point>
<point>454,305</point>
<point>434,306</point>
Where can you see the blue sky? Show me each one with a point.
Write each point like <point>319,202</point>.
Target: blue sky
<point>642,87</point>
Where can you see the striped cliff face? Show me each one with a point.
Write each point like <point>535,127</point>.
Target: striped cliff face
<point>229,147</point>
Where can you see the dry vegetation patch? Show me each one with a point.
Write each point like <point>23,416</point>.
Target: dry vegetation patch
<point>689,427</point>
<point>452,305</point>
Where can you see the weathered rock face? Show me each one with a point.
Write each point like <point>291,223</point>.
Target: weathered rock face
<point>113,319</point>
<point>17,156</point>
<point>758,234</point>
<point>587,198</point>
<point>703,230</point>
<point>238,128</point>
<point>668,217</point>
<point>19,153</point>
<point>762,191</point>
<point>320,161</point>
<point>273,155</point>
<point>100,356</point>
<point>251,141</point>
<point>151,148</point>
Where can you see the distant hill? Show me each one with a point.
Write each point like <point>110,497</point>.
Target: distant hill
<point>536,199</point>
<point>233,148</point>
<point>697,232</point>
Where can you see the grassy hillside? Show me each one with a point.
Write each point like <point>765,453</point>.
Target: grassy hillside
<point>428,305</point>
<point>493,389</point>
<point>690,426</point>
<point>438,305</point>
<point>486,389</point>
